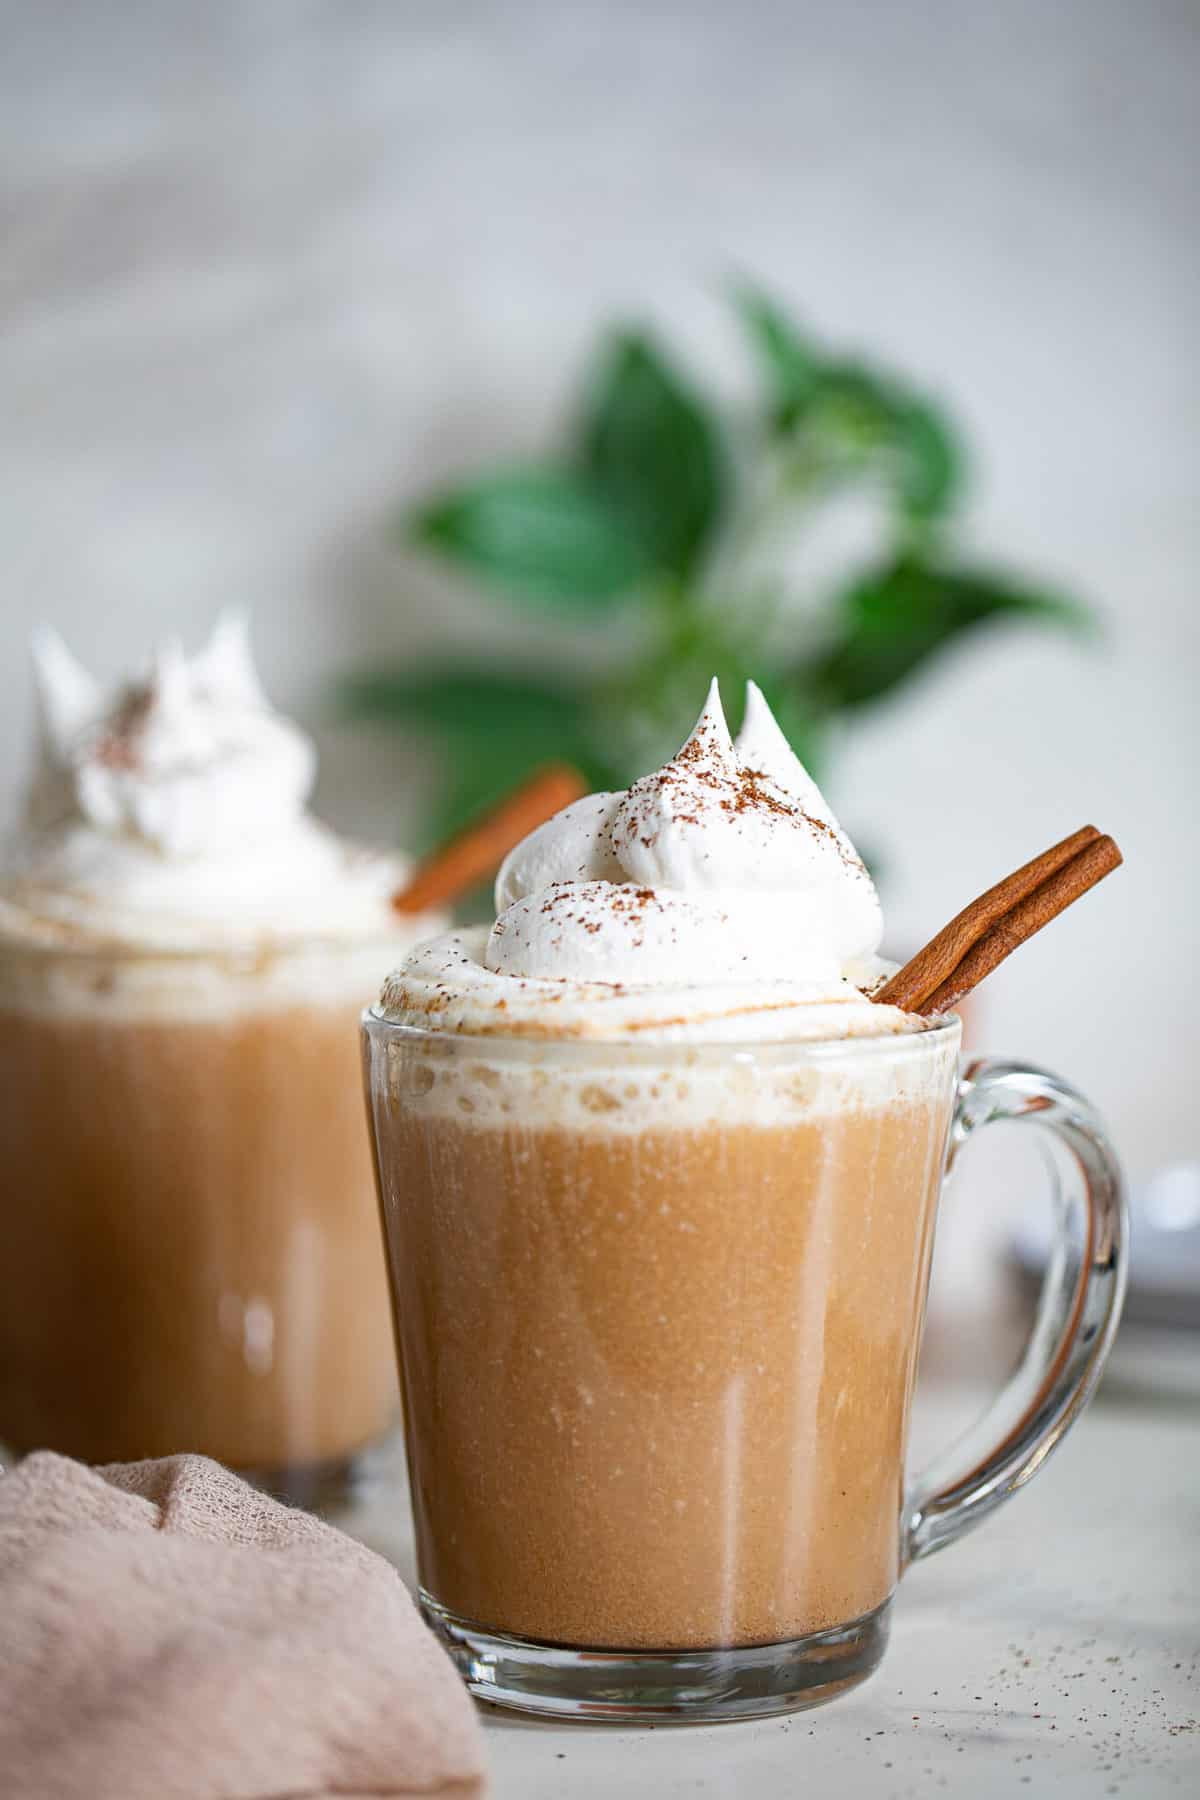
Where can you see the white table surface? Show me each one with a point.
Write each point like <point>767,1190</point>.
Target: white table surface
<point>1056,1650</point>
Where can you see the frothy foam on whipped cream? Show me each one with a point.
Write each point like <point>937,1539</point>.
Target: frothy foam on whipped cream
<point>172,813</point>
<point>716,899</point>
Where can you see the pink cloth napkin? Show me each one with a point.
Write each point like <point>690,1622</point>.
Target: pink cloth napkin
<point>166,1631</point>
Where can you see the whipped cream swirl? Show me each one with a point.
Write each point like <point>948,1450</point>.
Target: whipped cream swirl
<point>725,865</point>
<point>717,900</point>
<point>173,813</point>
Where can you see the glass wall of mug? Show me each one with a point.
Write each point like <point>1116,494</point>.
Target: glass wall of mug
<point>189,1240</point>
<point>659,1309</point>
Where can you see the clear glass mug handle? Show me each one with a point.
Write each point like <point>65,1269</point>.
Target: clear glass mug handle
<point>1077,1316</point>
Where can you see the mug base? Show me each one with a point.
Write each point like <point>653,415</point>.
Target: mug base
<point>326,1488</point>
<point>658,1687</point>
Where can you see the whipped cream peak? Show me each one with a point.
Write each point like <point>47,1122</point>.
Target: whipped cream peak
<point>173,808</point>
<point>761,746</point>
<point>68,697</point>
<point>226,664</point>
<point>709,736</point>
<point>711,820</point>
<point>189,759</point>
<point>724,866</point>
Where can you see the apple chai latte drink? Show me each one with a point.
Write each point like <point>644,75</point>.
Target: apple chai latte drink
<point>658,1183</point>
<point>189,1241</point>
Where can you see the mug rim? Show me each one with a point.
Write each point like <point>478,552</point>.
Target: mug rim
<point>929,1034</point>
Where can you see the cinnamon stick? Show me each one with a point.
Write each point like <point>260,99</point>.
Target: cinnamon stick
<point>478,850</point>
<point>969,953</point>
<point>1067,885</point>
<point>929,968</point>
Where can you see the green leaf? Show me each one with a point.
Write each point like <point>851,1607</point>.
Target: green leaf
<point>790,365</point>
<point>877,424</point>
<point>854,419</point>
<point>543,535</point>
<point>457,698</point>
<point>930,462</point>
<point>494,729</point>
<point>652,448</point>
<point>895,620</point>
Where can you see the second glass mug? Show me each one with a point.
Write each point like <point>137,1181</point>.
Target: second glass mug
<point>189,1248</point>
<point>658,1312</point>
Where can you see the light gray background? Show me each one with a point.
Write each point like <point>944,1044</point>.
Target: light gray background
<point>268,268</point>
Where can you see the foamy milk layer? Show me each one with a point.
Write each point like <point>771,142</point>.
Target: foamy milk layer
<point>497,1051</point>
<point>191,987</point>
<point>601,1088</point>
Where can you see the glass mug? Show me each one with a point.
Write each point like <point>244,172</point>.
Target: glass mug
<point>658,1312</point>
<point>189,1244</point>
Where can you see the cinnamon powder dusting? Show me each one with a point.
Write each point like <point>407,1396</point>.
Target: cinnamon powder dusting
<point>118,748</point>
<point>737,792</point>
